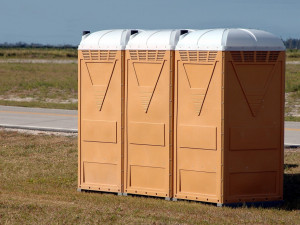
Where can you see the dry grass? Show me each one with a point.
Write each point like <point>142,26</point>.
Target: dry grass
<point>292,83</point>
<point>40,85</point>
<point>39,179</point>
<point>292,88</point>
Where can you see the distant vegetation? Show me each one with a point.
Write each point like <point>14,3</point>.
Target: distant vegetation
<point>292,43</point>
<point>38,51</point>
<point>34,45</point>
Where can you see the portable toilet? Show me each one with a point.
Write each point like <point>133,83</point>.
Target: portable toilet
<point>229,116</point>
<point>100,110</point>
<point>149,112</point>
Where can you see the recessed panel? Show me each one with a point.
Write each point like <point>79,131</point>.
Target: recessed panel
<point>254,137</point>
<point>100,173</point>
<point>146,133</point>
<point>251,161</point>
<point>102,131</point>
<point>243,184</point>
<point>197,137</point>
<point>148,177</point>
<point>100,152</point>
<point>197,159</point>
<point>197,182</point>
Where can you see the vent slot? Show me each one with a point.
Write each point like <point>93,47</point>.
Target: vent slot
<point>183,32</point>
<point>249,56</point>
<point>144,55</point>
<point>133,32</point>
<point>212,56</point>
<point>183,55</point>
<point>236,56</point>
<point>151,55</point>
<point>112,55</point>
<point>273,56</point>
<point>202,56</point>
<point>103,55</point>
<point>86,54</point>
<point>133,55</point>
<point>160,55</point>
<point>94,54</point>
<point>192,55</point>
<point>198,56</point>
<point>261,56</point>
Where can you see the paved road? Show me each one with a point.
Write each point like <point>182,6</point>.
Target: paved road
<point>292,134</point>
<point>66,121</point>
<point>38,119</point>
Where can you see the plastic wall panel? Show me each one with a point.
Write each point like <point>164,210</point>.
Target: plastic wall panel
<point>100,120</point>
<point>197,128</point>
<point>149,115</point>
<point>254,115</point>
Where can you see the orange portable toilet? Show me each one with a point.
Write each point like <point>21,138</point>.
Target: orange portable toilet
<point>149,112</point>
<point>100,109</point>
<point>229,116</point>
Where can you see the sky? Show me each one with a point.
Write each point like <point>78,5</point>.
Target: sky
<point>59,22</point>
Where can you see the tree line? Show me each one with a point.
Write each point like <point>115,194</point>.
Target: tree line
<point>35,45</point>
<point>292,43</point>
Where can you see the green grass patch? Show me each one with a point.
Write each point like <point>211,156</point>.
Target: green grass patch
<point>292,88</point>
<point>292,118</point>
<point>293,54</point>
<point>37,104</point>
<point>38,53</point>
<point>39,180</point>
<point>292,83</point>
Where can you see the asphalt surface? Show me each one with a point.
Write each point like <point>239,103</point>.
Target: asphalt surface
<point>59,120</point>
<point>38,119</point>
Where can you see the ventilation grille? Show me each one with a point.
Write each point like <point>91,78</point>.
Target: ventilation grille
<point>259,56</point>
<point>273,56</point>
<point>104,55</point>
<point>198,56</point>
<point>147,55</point>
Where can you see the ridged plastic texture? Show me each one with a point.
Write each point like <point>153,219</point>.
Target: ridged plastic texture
<point>154,40</point>
<point>105,40</point>
<point>230,40</point>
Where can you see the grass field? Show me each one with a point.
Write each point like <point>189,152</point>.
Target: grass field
<point>39,85</point>
<point>39,179</point>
